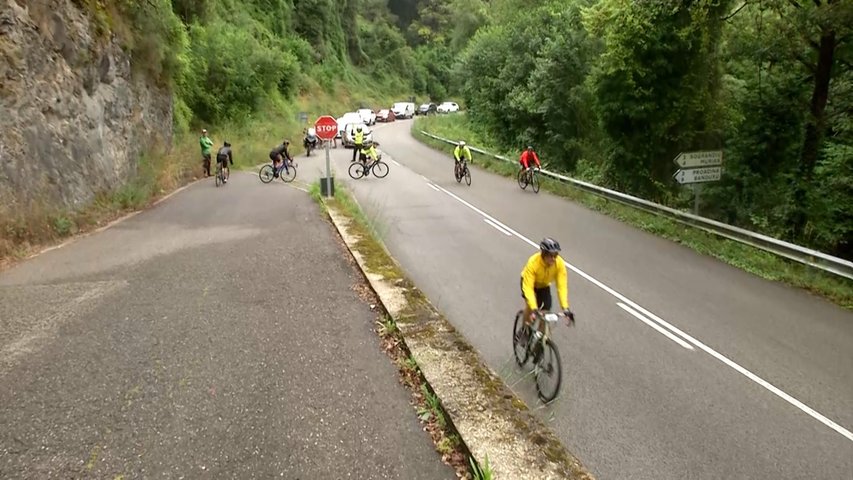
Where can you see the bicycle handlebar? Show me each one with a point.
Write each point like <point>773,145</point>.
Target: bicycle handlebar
<point>553,317</point>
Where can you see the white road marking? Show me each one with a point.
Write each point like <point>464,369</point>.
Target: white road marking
<point>498,227</point>
<point>710,351</point>
<point>395,162</point>
<point>655,326</point>
<point>433,187</point>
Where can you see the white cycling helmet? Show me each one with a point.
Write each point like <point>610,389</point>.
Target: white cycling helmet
<point>462,143</point>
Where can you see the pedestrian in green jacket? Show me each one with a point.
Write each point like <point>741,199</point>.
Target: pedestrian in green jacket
<point>206,144</point>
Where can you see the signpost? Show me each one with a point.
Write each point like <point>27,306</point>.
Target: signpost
<point>699,159</point>
<point>327,129</point>
<point>699,175</point>
<point>698,168</point>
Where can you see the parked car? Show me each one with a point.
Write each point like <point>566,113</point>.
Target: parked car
<point>348,138</point>
<point>447,107</point>
<point>385,115</point>
<point>403,109</point>
<point>345,119</point>
<point>368,116</point>
<point>426,109</point>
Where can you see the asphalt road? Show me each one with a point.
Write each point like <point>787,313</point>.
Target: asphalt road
<point>680,367</point>
<point>217,335</point>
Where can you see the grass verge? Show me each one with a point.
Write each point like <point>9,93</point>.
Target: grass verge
<point>31,229</point>
<point>758,262</point>
<point>436,361</point>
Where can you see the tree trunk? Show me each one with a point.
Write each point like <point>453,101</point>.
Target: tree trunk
<point>815,129</point>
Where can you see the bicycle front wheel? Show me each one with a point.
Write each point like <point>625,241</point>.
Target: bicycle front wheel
<point>522,180</point>
<point>266,173</point>
<point>380,169</point>
<point>534,182</point>
<point>356,170</point>
<point>549,372</point>
<point>288,175</point>
<point>519,348</point>
<point>467,176</point>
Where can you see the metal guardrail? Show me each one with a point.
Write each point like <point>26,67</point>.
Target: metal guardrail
<point>806,256</point>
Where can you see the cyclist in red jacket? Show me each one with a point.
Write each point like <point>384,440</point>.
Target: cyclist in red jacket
<point>527,156</point>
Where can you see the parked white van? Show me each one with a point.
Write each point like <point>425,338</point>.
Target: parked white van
<point>403,109</point>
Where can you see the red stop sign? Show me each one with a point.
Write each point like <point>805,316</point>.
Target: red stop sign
<point>327,127</point>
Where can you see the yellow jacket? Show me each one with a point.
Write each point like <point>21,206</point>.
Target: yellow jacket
<point>537,274</point>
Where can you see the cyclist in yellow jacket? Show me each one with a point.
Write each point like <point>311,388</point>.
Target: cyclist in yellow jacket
<point>542,269</point>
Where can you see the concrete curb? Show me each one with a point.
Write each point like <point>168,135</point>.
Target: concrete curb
<point>490,419</point>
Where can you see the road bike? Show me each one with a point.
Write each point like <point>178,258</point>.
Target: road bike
<point>534,342</point>
<point>361,168</point>
<point>529,176</point>
<point>267,173</point>
<point>460,171</point>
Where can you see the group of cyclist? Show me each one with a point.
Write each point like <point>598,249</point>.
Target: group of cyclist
<point>462,154</point>
<point>225,156</point>
<point>541,269</point>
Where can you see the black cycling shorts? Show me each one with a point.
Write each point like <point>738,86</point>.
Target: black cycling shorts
<point>222,159</point>
<point>543,296</point>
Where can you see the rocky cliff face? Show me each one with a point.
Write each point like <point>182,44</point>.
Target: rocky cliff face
<point>73,120</point>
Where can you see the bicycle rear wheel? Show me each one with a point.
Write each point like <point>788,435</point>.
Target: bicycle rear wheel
<point>549,372</point>
<point>522,180</point>
<point>534,182</point>
<point>356,170</point>
<point>519,348</point>
<point>467,176</point>
<point>218,176</point>
<point>266,173</point>
<point>380,169</point>
<point>288,175</point>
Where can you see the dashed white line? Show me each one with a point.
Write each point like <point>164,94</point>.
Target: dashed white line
<point>497,227</point>
<point>710,351</point>
<point>395,162</point>
<point>655,326</point>
<point>433,187</point>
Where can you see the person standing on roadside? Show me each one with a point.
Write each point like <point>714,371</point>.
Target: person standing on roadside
<point>206,144</point>
<point>359,143</point>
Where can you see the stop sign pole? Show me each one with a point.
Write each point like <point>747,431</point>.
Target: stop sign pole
<point>327,128</point>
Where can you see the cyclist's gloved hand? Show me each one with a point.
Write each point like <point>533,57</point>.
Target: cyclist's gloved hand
<point>570,316</point>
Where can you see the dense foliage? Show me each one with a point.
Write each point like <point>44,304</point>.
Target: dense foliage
<point>613,90</point>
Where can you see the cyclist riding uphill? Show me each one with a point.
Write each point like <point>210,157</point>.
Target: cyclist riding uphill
<point>278,154</point>
<point>223,156</point>
<point>461,151</point>
<point>370,153</point>
<point>542,269</point>
<point>527,156</point>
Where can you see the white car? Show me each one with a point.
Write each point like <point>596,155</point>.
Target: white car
<point>447,107</point>
<point>368,116</point>
<point>348,138</point>
<point>346,119</point>
<point>403,110</point>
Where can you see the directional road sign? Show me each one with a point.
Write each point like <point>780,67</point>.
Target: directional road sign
<point>698,175</point>
<point>699,159</point>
